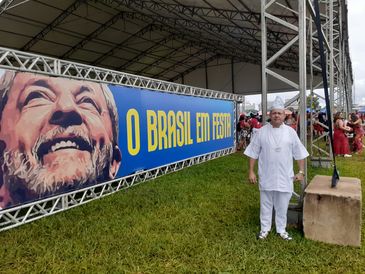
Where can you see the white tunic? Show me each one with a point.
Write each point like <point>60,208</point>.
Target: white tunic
<point>275,148</point>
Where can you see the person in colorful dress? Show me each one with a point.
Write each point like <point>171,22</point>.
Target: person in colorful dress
<point>356,125</point>
<point>341,145</point>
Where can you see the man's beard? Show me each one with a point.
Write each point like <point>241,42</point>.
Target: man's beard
<point>27,180</point>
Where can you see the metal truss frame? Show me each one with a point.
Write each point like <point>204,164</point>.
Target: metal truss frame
<point>5,5</point>
<point>17,60</point>
<point>192,18</point>
<point>121,15</point>
<point>193,28</point>
<point>339,69</point>
<point>229,31</point>
<point>22,61</point>
<point>58,20</point>
<point>319,156</point>
<point>16,216</point>
<point>147,29</point>
<point>338,73</point>
<point>185,13</point>
<point>298,41</point>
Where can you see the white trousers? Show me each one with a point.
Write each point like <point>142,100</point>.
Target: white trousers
<point>279,201</point>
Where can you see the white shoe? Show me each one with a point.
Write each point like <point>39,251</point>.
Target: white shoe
<point>285,236</point>
<point>347,155</point>
<point>262,235</point>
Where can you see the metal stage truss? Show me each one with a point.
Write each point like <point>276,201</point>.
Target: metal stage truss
<point>12,59</point>
<point>338,73</point>
<point>192,42</point>
<point>304,41</point>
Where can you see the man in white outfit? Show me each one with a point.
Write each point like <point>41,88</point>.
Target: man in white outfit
<point>275,145</point>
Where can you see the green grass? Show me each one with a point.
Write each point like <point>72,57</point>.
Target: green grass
<point>201,219</point>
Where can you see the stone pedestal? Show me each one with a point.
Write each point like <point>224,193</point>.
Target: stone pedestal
<point>333,215</point>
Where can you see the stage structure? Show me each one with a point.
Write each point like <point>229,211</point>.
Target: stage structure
<point>242,47</point>
<point>303,45</point>
<point>339,72</point>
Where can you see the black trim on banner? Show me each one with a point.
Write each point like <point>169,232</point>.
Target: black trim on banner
<point>335,174</point>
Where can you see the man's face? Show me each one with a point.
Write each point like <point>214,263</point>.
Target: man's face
<point>57,132</point>
<point>277,117</point>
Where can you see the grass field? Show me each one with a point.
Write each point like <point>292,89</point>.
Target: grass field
<point>203,219</point>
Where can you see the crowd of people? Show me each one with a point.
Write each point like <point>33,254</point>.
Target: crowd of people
<point>347,133</point>
<point>246,127</point>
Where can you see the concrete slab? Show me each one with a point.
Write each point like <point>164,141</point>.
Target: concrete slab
<point>333,215</point>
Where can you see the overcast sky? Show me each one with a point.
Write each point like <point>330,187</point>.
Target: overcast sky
<point>356,14</point>
<point>356,9</point>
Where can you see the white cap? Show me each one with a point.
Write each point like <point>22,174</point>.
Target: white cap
<point>278,103</point>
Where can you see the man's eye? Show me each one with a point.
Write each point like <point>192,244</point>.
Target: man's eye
<point>89,101</point>
<point>32,96</point>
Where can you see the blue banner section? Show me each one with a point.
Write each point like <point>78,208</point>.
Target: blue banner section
<point>159,128</point>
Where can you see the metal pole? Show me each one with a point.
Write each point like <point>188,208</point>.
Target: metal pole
<point>331,71</point>
<point>303,79</point>
<point>206,74</point>
<point>232,75</point>
<point>263,62</point>
<point>311,78</point>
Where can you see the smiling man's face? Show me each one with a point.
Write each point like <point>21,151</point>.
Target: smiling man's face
<point>277,117</point>
<point>57,132</point>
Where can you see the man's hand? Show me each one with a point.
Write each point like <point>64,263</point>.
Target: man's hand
<point>252,177</point>
<point>299,177</point>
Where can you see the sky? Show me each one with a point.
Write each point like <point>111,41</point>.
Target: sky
<point>356,12</point>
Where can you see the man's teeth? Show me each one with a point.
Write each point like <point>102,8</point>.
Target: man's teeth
<point>63,144</point>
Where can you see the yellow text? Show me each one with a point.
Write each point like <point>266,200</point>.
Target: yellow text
<point>168,130</point>
<point>202,127</point>
<point>221,125</point>
<point>133,132</point>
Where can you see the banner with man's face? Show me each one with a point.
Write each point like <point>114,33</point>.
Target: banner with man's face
<point>59,134</point>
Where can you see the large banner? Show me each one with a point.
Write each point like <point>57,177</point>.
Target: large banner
<point>58,134</point>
